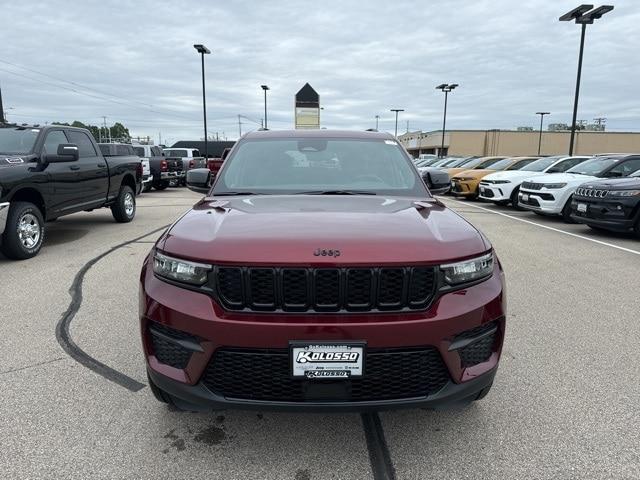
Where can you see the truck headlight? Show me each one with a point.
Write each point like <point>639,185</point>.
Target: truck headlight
<point>468,270</point>
<point>180,270</point>
<point>623,193</point>
<point>555,185</point>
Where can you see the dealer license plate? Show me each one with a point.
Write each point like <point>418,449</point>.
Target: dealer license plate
<point>482,190</point>
<point>525,197</point>
<point>327,360</point>
<point>582,207</point>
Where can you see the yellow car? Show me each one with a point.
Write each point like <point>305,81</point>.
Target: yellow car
<point>472,163</point>
<point>467,182</point>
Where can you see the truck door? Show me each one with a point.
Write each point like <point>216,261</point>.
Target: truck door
<point>62,176</point>
<point>92,182</point>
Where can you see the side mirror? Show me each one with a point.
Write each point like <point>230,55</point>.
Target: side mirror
<point>437,181</point>
<point>67,152</point>
<point>199,180</point>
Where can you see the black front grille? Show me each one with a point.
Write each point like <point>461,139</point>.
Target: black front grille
<point>532,186</point>
<point>479,350</point>
<point>265,375</point>
<point>591,192</point>
<point>325,289</point>
<point>166,351</point>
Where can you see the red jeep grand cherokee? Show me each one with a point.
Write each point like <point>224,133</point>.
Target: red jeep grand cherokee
<point>319,273</point>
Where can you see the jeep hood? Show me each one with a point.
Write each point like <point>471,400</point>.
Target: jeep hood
<point>624,183</point>
<point>568,178</point>
<point>371,230</point>
<point>474,173</point>
<point>513,175</point>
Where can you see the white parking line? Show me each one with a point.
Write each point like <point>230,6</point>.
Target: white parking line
<point>606,244</point>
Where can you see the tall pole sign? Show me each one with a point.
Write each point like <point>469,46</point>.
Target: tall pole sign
<point>307,108</point>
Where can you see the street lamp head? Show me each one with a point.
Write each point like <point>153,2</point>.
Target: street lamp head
<point>543,113</point>
<point>264,87</point>
<point>442,86</point>
<point>595,14</point>
<point>576,13</point>
<point>397,110</point>
<point>201,49</point>
<point>453,85</point>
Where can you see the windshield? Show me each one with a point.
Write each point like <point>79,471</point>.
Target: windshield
<point>17,140</point>
<point>484,163</point>
<point>457,162</point>
<point>594,166</point>
<point>139,151</point>
<point>520,164</point>
<point>501,164</point>
<point>540,165</point>
<point>298,165</point>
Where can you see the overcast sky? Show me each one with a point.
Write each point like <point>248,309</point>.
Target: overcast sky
<point>134,62</point>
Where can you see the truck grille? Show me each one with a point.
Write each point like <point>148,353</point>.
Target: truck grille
<point>532,186</point>
<point>591,192</point>
<point>265,375</point>
<point>325,289</point>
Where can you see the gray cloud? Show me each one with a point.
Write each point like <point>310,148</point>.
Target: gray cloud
<point>510,58</point>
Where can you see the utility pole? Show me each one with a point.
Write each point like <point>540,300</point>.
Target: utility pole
<point>542,114</point>
<point>159,137</point>
<point>377,118</point>
<point>106,130</point>
<point>239,127</point>
<point>407,126</point>
<point>396,110</point>
<point>2,118</point>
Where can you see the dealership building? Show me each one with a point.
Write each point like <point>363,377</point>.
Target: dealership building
<point>514,142</point>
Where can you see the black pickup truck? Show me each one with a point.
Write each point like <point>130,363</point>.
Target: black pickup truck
<point>164,171</point>
<point>48,172</point>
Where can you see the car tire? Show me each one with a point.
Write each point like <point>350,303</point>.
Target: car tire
<point>124,209</point>
<point>514,200</point>
<point>636,228</point>
<point>566,212</point>
<point>161,185</point>
<point>24,232</point>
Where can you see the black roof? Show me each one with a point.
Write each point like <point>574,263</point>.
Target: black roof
<point>214,149</point>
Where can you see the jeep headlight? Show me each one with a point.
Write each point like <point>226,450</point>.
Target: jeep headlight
<point>555,185</point>
<point>468,270</point>
<point>180,270</point>
<point>463,179</point>
<point>623,193</point>
<point>498,182</point>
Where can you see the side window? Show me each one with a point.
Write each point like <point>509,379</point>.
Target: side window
<point>85,147</point>
<point>625,168</point>
<point>195,153</point>
<point>52,141</point>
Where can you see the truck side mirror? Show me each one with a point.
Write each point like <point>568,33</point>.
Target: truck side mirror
<point>67,152</point>
<point>199,180</point>
<point>437,181</point>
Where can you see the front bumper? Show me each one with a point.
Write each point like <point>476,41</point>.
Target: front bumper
<point>545,201</point>
<point>217,330</point>
<point>464,188</point>
<point>496,192</point>
<point>612,214</point>
<point>4,213</point>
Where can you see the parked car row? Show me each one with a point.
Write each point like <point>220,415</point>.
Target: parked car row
<point>602,191</point>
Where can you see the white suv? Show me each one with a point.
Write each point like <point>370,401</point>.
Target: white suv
<point>502,187</point>
<point>552,193</point>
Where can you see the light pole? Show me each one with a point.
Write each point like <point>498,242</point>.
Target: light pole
<point>542,114</point>
<point>446,88</point>
<point>583,15</point>
<point>202,50</point>
<point>397,110</point>
<point>377,118</point>
<point>265,88</point>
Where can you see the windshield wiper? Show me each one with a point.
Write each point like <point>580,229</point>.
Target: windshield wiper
<point>230,194</point>
<point>337,192</point>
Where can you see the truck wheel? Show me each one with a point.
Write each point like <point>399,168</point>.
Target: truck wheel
<point>24,232</point>
<point>161,185</point>
<point>514,199</point>
<point>125,207</point>
<point>566,212</point>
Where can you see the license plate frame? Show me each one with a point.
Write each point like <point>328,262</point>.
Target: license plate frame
<point>525,197</point>
<point>330,369</point>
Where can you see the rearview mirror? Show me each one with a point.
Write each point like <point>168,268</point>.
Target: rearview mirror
<point>67,152</point>
<point>199,180</point>
<point>437,181</point>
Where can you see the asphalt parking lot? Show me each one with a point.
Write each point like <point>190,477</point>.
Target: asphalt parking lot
<point>565,402</point>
